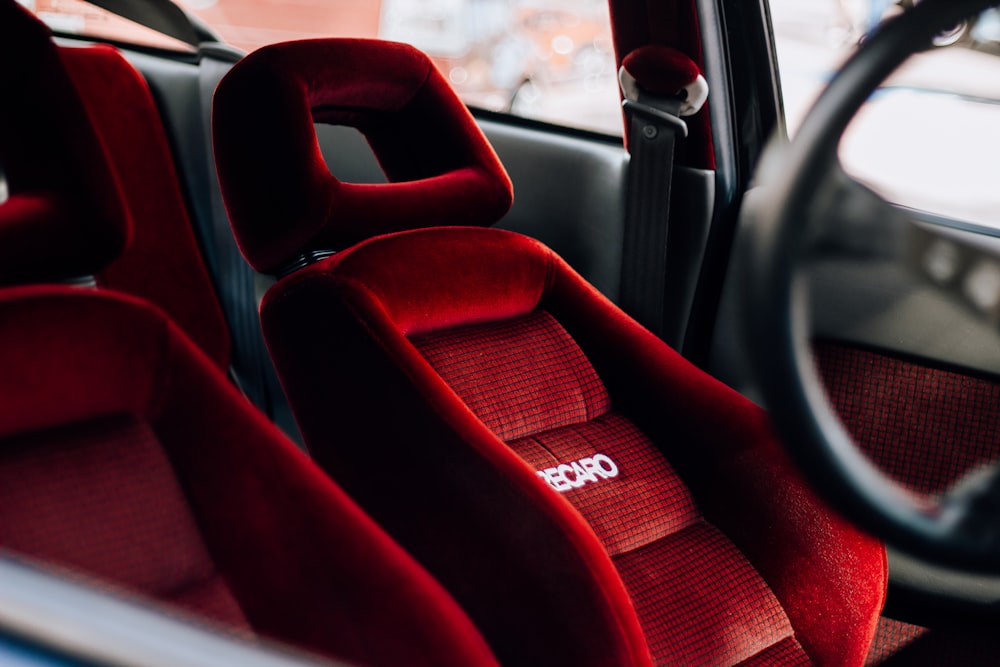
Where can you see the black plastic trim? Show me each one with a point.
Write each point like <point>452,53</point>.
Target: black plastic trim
<point>163,16</point>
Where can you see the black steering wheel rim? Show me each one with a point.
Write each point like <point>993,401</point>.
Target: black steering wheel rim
<point>777,321</point>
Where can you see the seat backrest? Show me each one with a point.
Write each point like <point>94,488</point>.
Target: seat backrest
<point>588,495</point>
<point>127,456</point>
<point>162,263</point>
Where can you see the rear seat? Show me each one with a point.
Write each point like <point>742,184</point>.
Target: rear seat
<point>163,263</point>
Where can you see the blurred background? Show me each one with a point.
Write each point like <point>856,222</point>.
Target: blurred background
<point>929,139</point>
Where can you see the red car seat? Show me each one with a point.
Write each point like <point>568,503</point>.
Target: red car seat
<point>162,263</point>
<point>127,456</point>
<point>587,495</point>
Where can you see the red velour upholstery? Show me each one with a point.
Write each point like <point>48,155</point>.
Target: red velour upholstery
<point>469,360</point>
<point>661,69</point>
<point>438,163</point>
<point>126,455</point>
<point>85,225</point>
<point>162,263</point>
<point>687,581</point>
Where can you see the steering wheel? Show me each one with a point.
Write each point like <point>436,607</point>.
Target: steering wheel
<point>805,202</point>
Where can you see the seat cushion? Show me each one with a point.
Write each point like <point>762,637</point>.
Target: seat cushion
<point>698,598</point>
<point>127,455</point>
<point>100,497</point>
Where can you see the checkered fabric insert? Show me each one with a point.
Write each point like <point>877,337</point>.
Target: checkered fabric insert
<point>891,636</point>
<point>520,376</point>
<point>786,653</point>
<point>101,498</point>
<point>923,426</point>
<point>699,600</point>
<point>645,502</point>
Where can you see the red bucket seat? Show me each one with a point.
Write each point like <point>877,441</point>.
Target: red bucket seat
<point>588,496</point>
<point>126,455</point>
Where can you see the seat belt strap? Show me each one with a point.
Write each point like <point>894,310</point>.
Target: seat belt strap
<point>655,126</point>
<point>660,85</point>
<point>234,277</point>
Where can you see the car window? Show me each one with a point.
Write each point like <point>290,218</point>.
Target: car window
<point>76,17</point>
<point>929,138</point>
<point>548,60</point>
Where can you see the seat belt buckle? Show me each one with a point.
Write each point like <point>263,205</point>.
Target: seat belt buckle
<point>658,115</point>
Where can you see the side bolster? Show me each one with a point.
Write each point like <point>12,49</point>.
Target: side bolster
<point>830,577</point>
<point>306,564</point>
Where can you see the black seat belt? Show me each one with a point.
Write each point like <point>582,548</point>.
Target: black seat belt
<point>655,129</point>
<point>660,85</point>
<point>238,284</point>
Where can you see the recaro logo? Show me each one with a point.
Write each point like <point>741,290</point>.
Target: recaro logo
<point>576,474</point>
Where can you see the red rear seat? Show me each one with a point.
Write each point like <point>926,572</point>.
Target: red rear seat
<point>162,262</point>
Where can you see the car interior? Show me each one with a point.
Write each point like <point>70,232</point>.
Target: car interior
<point>305,361</point>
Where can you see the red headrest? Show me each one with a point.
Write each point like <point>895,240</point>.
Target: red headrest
<point>64,216</point>
<point>661,69</point>
<point>282,199</point>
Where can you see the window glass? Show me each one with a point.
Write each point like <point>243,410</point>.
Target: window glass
<point>76,17</point>
<point>550,60</point>
<point>930,137</point>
